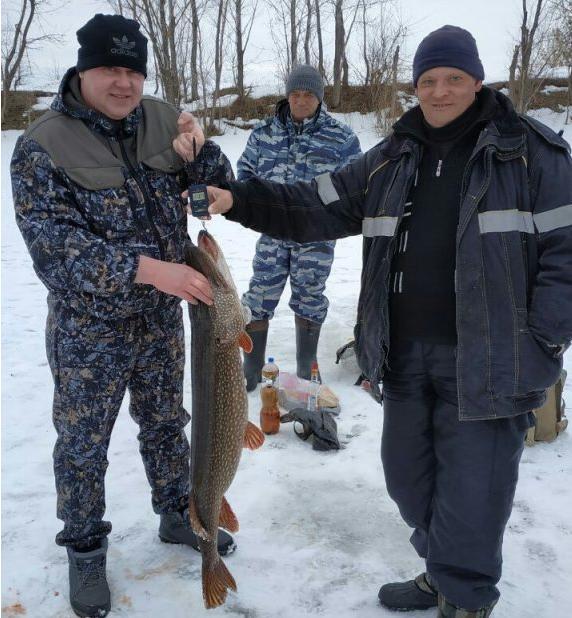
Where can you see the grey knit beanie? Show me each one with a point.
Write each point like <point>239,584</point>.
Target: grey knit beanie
<point>305,77</point>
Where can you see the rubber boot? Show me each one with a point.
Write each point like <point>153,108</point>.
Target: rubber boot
<point>417,593</point>
<point>307,336</point>
<point>448,610</point>
<point>253,362</point>
<point>89,591</point>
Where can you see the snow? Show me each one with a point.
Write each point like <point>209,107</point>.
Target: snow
<point>551,88</point>
<point>319,534</point>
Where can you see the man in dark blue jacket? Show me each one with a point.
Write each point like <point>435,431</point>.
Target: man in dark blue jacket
<point>465,307</point>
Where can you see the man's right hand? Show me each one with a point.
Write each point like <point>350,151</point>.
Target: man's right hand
<point>220,200</point>
<point>176,279</point>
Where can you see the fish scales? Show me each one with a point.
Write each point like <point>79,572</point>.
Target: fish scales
<point>220,426</point>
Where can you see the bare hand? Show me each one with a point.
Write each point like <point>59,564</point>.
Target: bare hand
<point>220,200</point>
<point>188,129</point>
<point>176,279</point>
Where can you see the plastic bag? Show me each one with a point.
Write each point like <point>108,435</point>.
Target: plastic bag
<point>293,393</point>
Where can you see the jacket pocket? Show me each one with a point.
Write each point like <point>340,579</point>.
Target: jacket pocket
<point>537,368</point>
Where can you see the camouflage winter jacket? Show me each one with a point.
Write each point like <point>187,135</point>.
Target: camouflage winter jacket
<point>92,195</point>
<point>280,150</point>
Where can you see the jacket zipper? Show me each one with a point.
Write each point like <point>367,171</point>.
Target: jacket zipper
<point>379,371</point>
<point>149,206</point>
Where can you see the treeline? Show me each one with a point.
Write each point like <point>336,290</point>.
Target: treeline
<point>196,43</point>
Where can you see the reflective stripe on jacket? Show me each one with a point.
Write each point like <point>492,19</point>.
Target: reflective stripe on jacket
<point>513,260</point>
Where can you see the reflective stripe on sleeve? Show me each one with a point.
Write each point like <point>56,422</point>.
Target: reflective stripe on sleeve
<point>379,226</point>
<point>553,219</point>
<point>506,221</point>
<point>326,189</point>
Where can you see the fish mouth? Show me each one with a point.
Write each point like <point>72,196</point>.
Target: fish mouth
<point>208,244</point>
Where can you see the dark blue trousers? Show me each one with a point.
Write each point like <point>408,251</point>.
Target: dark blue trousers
<point>453,481</point>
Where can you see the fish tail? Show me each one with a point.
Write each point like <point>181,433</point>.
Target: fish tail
<point>227,518</point>
<point>216,581</point>
<point>253,437</point>
<point>196,524</point>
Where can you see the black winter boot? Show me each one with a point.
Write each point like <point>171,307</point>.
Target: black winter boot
<point>307,336</point>
<point>175,528</point>
<point>448,610</point>
<point>89,592</point>
<point>407,596</point>
<point>253,362</point>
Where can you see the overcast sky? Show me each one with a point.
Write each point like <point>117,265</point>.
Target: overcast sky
<point>492,22</point>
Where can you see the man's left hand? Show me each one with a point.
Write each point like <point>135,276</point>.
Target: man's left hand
<point>189,129</point>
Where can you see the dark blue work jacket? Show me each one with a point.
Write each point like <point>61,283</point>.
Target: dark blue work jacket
<point>513,277</point>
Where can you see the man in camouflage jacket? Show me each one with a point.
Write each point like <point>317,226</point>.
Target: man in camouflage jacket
<point>299,142</point>
<point>97,191</point>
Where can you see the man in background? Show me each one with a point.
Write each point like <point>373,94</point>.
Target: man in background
<point>299,142</point>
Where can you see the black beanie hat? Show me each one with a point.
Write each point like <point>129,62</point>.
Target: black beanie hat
<point>449,46</point>
<point>111,41</point>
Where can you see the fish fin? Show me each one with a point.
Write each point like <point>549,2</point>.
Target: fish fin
<point>253,437</point>
<point>196,524</point>
<point>216,581</point>
<point>227,518</point>
<point>245,342</point>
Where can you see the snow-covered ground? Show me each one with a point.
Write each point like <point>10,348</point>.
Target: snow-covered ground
<point>319,534</point>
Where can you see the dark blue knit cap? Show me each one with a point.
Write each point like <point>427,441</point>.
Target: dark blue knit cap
<point>449,46</point>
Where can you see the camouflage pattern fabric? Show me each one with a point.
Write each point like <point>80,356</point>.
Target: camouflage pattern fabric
<point>93,363</point>
<point>85,244</point>
<point>448,610</point>
<point>105,334</point>
<point>282,151</point>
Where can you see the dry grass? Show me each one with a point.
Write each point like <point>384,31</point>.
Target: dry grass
<point>246,109</point>
<point>19,113</point>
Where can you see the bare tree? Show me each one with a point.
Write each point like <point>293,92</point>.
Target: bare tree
<point>532,53</point>
<point>562,42</point>
<point>194,45</point>
<point>17,40</point>
<point>244,11</point>
<point>308,33</point>
<point>294,17</point>
<point>294,28</point>
<point>221,20</point>
<point>381,52</point>
<point>317,7</point>
<point>339,51</point>
<point>166,23</point>
<point>341,39</point>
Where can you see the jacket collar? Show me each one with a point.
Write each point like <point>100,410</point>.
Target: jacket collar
<point>68,101</point>
<point>502,128</point>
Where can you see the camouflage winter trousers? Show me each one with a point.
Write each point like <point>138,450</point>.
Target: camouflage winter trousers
<point>308,266</point>
<point>93,363</point>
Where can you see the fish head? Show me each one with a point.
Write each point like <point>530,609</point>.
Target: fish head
<point>230,315</point>
<point>210,246</point>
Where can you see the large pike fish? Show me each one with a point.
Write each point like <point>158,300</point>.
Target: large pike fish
<point>220,427</point>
